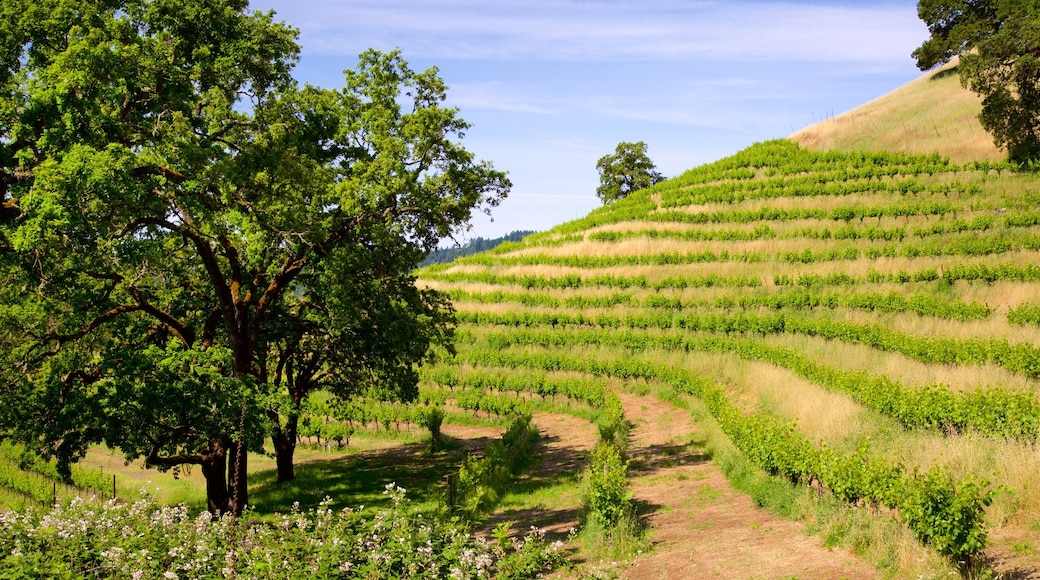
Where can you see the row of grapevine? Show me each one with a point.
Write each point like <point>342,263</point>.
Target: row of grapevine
<point>641,213</point>
<point>952,273</point>
<point>1022,358</point>
<point>994,411</point>
<point>607,501</point>
<point>784,188</point>
<point>477,400</point>
<point>801,298</point>
<point>942,512</point>
<point>85,480</point>
<point>764,232</point>
<point>586,390</point>
<point>945,513</point>
<point>482,478</point>
<point>948,246</point>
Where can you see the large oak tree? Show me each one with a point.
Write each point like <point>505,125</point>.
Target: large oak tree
<point>998,42</point>
<point>191,242</point>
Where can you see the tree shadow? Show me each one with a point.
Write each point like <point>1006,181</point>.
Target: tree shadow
<point>555,465</point>
<point>946,72</point>
<point>655,458</point>
<point>1006,570</point>
<point>360,479</point>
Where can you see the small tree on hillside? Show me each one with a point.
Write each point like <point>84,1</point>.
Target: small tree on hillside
<point>628,169</point>
<point>998,43</point>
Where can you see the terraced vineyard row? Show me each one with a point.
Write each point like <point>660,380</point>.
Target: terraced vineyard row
<point>934,296</point>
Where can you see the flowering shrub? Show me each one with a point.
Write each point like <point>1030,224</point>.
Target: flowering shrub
<point>143,540</point>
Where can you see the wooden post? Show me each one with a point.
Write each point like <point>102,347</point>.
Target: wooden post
<point>113,486</point>
<point>451,479</point>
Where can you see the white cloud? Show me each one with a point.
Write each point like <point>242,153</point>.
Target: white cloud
<point>497,96</point>
<point>576,30</point>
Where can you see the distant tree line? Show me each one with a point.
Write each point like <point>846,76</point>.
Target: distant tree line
<point>474,246</point>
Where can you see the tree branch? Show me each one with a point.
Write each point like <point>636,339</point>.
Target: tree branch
<point>178,328</point>
<point>209,329</point>
<point>290,269</point>
<point>166,172</point>
<point>118,310</point>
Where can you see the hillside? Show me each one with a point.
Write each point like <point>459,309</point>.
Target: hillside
<point>861,325</point>
<point>474,246</point>
<point>931,114</point>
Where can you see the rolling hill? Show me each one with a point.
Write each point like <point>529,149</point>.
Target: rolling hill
<point>858,322</point>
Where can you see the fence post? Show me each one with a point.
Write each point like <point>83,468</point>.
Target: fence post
<point>113,486</point>
<point>451,478</point>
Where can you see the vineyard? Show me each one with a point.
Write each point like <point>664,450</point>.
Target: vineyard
<point>862,327</point>
<point>856,337</point>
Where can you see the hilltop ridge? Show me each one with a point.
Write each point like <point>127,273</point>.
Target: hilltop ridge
<point>932,113</point>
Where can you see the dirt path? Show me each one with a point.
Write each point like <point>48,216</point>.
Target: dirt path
<point>701,526</point>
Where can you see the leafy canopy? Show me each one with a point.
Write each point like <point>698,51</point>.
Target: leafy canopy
<point>188,236</point>
<point>998,42</point>
<point>628,169</point>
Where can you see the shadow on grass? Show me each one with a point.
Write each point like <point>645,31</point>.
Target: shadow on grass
<point>360,479</point>
<point>953,70</point>
<point>545,483</point>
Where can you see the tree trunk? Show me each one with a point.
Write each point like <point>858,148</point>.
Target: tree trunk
<point>284,441</point>
<point>225,471</point>
<point>214,468</point>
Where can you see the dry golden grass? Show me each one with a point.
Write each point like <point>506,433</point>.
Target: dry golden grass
<point>1012,468</point>
<point>909,372</point>
<point>834,419</point>
<point>465,269</point>
<point>932,113</point>
<point>995,327</point>
<point>1003,295</point>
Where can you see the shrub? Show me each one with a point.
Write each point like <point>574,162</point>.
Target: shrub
<point>145,540</point>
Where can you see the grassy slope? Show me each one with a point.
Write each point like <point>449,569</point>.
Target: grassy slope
<point>617,270</point>
<point>932,113</point>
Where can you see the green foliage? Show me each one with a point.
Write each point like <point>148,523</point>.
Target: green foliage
<point>997,43</point>
<point>1024,314</point>
<point>947,515</point>
<point>482,478</point>
<point>145,540</point>
<point>606,499</point>
<point>628,170</point>
<point>31,475</point>
<point>779,448</point>
<point>994,411</point>
<point>432,418</point>
<point>613,426</point>
<point>192,242</point>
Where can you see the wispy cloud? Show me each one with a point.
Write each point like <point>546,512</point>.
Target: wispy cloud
<point>580,30</point>
<point>498,96</point>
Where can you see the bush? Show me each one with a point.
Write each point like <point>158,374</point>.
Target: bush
<point>607,498</point>
<point>145,540</point>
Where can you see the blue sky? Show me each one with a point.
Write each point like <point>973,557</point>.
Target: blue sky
<point>552,85</point>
